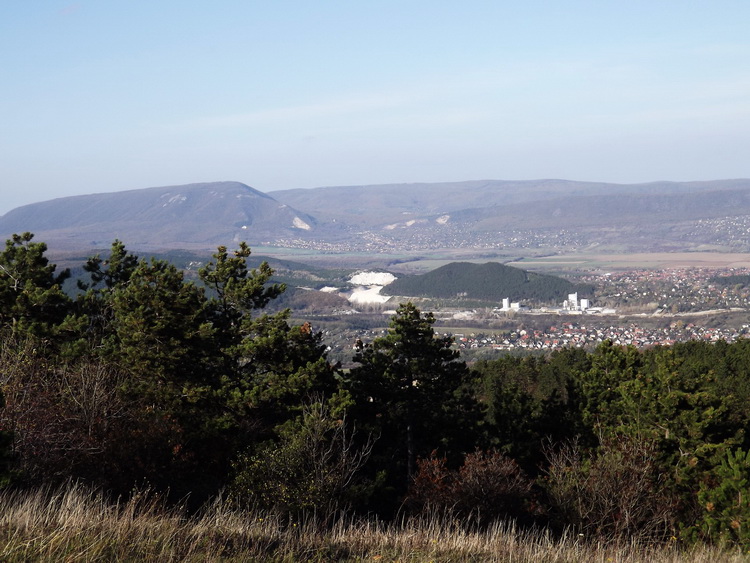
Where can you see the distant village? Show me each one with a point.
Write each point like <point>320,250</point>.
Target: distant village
<point>673,294</point>
<point>582,336</point>
<point>731,232</point>
<point>679,291</point>
<point>641,308</point>
<point>562,335</point>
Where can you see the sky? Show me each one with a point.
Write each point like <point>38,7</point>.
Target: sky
<point>110,95</point>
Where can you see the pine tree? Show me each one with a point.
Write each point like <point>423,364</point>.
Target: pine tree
<point>269,367</point>
<point>31,297</point>
<point>725,501</point>
<point>409,389</point>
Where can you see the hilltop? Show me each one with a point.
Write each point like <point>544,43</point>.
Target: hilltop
<point>190,216</point>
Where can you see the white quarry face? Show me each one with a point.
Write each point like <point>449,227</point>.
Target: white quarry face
<point>372,278</point>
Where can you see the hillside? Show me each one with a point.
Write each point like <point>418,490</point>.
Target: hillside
<point>397,203</point>
<point>190,216</point>
<point>613,209</point>
<point>486,282</point>
<point>524,217</point>
<point>503,218</point>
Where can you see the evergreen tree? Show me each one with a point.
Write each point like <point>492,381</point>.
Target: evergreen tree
<point>409,389</point>
<point>94,305</point>
<point>209,374</point>
<point>725,501</point>
<point>31,297</point>
<point>681,411</point>
<point>120,265</point>
<point>524,400</point>
<point>268,367</point>
<point>161,332</point>
<point>236,293</point>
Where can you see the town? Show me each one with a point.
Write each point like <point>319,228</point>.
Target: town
<point>582,336</point>
<point>640,308</point>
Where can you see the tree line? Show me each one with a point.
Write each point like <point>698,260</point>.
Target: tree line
<point>191,388</point>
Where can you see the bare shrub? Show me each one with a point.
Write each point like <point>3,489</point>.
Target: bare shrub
<point>67,419</point>
<point>488,486</point>
<point>433,485</point>
<point>493,485</point>
<point>616,495</point>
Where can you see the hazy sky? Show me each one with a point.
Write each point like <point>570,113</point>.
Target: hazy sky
<point>111,95</point>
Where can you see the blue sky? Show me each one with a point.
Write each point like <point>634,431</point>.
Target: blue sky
<point>112,95</point>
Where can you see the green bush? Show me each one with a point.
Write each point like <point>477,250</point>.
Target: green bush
<point>725,501</point>
<point>313,469</point>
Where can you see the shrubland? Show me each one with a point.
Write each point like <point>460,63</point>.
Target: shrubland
<point>148,415</point>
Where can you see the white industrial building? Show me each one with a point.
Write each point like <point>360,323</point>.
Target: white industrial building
<point>508,306</point>
<point>572,303</point>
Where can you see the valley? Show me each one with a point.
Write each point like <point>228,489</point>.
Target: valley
<point>649,252</point>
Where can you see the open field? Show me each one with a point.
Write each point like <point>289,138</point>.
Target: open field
<point>417,262</point>
<point>420,262</point>
<point>659,260</point>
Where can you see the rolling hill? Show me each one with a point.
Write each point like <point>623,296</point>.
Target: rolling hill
<point>486,282</point>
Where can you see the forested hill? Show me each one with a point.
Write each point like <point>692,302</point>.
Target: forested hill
<point>490,282</point>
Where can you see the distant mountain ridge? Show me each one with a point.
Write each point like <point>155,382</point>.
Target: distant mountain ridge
<point>498,215</point>
<point>203,215</point>
<point>378,205</point>
<point>559,215</point>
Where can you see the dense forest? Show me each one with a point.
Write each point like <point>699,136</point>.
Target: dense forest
<point>487,282</point>
<point>191,388</point>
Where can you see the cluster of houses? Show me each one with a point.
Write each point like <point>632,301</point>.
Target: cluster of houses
<point>578,336</point>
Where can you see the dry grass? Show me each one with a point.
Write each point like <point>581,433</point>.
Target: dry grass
<point>76,525</point>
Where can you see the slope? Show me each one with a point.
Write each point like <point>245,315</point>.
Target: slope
<point>189,216</point>
<point>379,205</point>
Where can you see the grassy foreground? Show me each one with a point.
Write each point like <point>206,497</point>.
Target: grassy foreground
<point>76,525</point>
